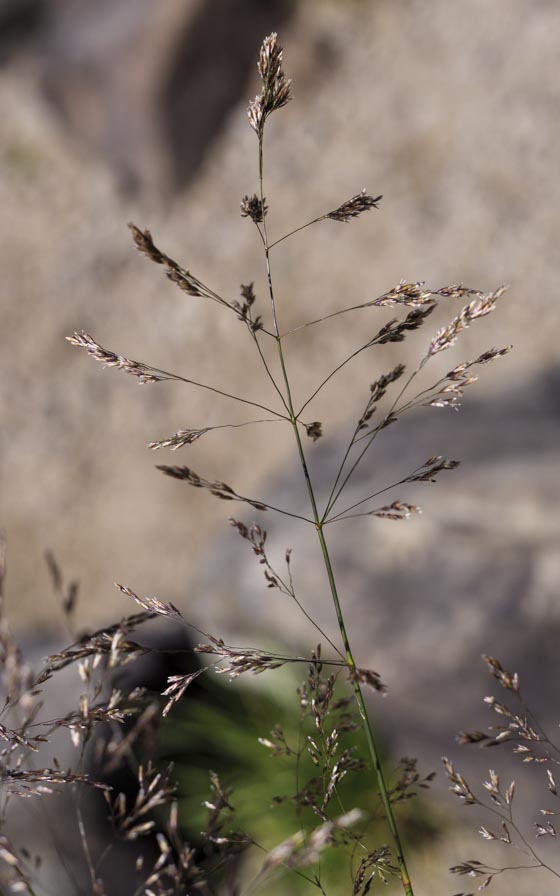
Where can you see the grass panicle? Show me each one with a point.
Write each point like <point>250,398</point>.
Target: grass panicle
<point>336,740</point>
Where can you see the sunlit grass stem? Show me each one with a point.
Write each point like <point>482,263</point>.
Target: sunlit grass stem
<point>318,521</point>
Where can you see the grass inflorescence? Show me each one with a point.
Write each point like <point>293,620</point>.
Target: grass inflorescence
<point>334,714</point>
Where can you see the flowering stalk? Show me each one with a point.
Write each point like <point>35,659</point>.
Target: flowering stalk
<point>319,524</point>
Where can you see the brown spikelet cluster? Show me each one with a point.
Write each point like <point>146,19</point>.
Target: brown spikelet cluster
<point>395,330</point>
<point>507,680</point>
<point>408,779</point>
<point>477,308</point>
<point>314,430</point>
<point>416,295</point>
<point>177,274</point>
<point>256,536</point>
<point>108,358</point>
<point>353,207</point>
<point>378,390</point>
<point>368,677</point>
<point>155,789</point>
<point>178,868</point>
<point>431,468</point>
<point>186,281</point>
<point>41,782</point>
<point>244,308</point>
<point>276,87</point>
<point>176,687</point>
<point>458,785</point>
<point>217,488</point>
<point>236,661</point>
<point>179,439</point>
<point>111,643</point>
<point>377,863</point>
<point>254,208</point>
<point>153,604</point>
<point>397,510</point>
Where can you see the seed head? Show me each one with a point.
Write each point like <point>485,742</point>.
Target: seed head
<point>354,207</point>
<point>276,87</point>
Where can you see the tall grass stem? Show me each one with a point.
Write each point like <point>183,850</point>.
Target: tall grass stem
<point>373,751</point>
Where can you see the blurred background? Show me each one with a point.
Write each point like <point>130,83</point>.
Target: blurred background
<point>126,110</point>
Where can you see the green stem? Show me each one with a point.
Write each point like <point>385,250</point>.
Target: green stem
<point>374,753</point>
<point>405,878</point>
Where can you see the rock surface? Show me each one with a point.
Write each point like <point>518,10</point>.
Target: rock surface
<point>429,110</point>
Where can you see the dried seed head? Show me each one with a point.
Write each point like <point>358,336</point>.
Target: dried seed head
<point>314,430</point>
<point>379,388</point>
<point>108,358</point>
<point>412,294</point>
<point>25,782</point>
<point>395,331</point>
<point>547,830</point>
<point>242,660</point>
<point>276,87</point>
<point>108,642</point>
<point>248,294</point>
<point>369,678</point>
<point>219,489</point>
<point>458,785</point>
<point>254,208</point>
<point>177,685</point>
<point>479,307</point>
<point>179,439</point>
<point>508,680</point>
<point>457,292</point>
<point>491,354</point>
<point>431,468</point>
<point>472,737</point>
<point>153,604</point>
<point>145,244</point>
<point>398,510</point>
<point>362,202</point>
<point>244,309</point>
<point>450,401</point>
<point>416,295</point>
<point>186,281</point>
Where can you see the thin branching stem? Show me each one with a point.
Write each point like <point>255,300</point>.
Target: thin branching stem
<point>257,879</point>
<point>318,627</point>
<point>81,824</point>
<point>374,754</point>
<point>268,371</point>
<point>335,493</point>
<point>529,849</point>
<point>319,320</point>
<point>539,727</point>
<point>182,379</point>
<point>294,516</point>
<point>288,589</point>
<point>245,423</point>
<point>297,230</point>
<point>342,513</point>
<point>334,372</point>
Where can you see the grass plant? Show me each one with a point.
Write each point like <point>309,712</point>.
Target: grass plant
<point>331,697</point>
